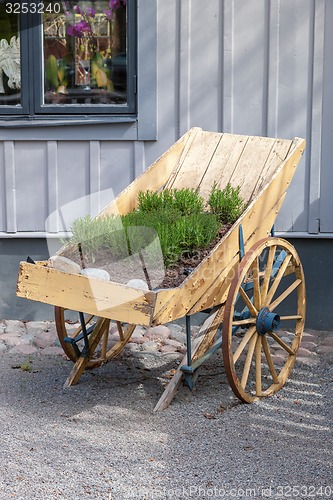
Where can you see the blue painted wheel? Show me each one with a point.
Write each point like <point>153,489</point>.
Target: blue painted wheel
<point>268,294</point>
<point>69,330</point>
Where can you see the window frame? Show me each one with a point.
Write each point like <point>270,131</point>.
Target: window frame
<point>32,76</point>
<point>141,126</point>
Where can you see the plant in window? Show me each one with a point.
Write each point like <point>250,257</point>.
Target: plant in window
<point>90,57</point>
<point>55,72</point>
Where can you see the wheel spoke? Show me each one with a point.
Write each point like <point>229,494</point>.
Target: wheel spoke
<point>258,366</point>
<point>248,361</point>
<point>248,302</point>
<point>295,316</point>
<point>248,321</point>
<point>105,340</point>
<point>278,279</point>
<point>256,286</point>
<point>269,360</point>
<point>268,272</point>
<point>120,330</point>
<point>243,343</point>
<point>284,295</point>
<point>281,343</point>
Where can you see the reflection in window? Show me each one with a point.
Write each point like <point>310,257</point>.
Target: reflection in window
<point>85,53</point>
<point>10,59</point>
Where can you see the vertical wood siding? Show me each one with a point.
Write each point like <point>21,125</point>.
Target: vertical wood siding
<point>247,67</point>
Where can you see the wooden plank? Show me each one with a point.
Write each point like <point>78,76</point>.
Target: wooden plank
<point>223,163</point>
<point>277,155</point>
<point>250,165</point>
<point>162,297</point>
<point>257,221</point>
<point>153,178</point>
<point>197,160</point>
<point>80,293</point>
<point>194,133</point>
<point>197,351</point>
<point>173,386</point>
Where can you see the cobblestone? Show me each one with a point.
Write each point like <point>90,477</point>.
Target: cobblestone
<point>23,349</point>
<point>40,337</point>
<point>328,341</point>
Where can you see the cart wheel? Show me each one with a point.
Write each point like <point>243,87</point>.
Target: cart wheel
<point>105,351</point>
<point>264,319</point>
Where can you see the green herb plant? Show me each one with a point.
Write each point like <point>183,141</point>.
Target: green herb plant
<point>226,203</point>
<point>178,217</point>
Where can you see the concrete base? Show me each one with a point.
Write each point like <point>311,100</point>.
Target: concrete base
<point>12,252</point>
<point>315,255</point>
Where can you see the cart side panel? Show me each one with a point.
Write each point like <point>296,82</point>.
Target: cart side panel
<point>256,221</point>
<point>196,161</point>
<point>217,294</point>
<point>256,155</point>
<point>223,158</point>
<point>279,153</point>
<point>222,165</point>
<point>243,161</point>
<point>154,178</point>
<point>79,293</point>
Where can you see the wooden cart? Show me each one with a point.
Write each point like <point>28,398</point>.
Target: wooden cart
<point>250,287</point>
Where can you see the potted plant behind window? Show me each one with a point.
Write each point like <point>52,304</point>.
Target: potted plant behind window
<point>91,59</point>
<point>82,46</point>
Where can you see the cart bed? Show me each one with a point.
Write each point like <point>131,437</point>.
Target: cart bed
<point>262,167</point>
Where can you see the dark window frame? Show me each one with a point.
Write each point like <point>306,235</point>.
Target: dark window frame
<point>141,126</point>
<point>32,107</point>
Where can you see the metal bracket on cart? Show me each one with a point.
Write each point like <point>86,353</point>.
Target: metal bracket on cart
<point>83,335</point>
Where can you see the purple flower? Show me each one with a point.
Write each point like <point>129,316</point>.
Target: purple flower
<point>84,27</point>
<point>108,14</point>
<point>78,10</point>
<point>79,29</point>
<point>114,4</point>
<point>71,30</point>
<point>91,12</point>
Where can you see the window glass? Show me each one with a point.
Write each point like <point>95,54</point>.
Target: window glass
<point>10,58</point>
<point>85,47</point>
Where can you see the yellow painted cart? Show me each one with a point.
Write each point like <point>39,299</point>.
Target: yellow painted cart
<point>250,287</point>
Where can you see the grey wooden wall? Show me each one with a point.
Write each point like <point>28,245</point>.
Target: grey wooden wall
<point>253,67</point>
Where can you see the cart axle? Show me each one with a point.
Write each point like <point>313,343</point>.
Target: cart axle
<point>267,321</point>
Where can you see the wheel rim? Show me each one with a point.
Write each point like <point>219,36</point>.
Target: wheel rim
<point>108,347</point>
<point>264,319</point>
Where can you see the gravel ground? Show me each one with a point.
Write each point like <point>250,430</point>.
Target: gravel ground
<point>101,439</point>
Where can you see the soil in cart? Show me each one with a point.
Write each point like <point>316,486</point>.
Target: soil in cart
<point>187,227</point>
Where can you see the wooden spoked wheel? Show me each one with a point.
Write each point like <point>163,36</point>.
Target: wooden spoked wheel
<point>264,319</point>
<point>68,325</point>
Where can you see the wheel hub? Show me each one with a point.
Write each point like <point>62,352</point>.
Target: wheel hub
<point>267,321</point>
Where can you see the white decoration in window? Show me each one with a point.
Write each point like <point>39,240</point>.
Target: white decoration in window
<point>10,63</point>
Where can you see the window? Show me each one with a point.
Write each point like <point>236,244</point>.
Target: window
<point>64,58</point>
